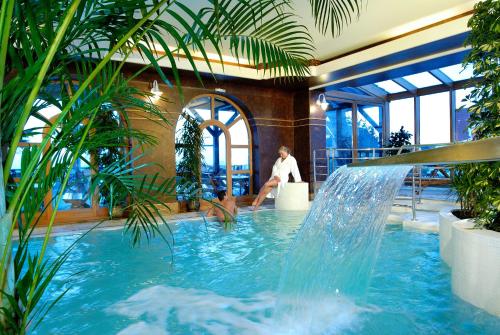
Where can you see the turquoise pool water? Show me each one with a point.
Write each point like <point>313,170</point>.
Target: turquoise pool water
<point>225,282</point>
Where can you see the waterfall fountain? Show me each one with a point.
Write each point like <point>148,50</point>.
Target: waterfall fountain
<point>334,251</point>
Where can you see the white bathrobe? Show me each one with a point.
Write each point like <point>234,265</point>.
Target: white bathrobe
<point>282,169</point>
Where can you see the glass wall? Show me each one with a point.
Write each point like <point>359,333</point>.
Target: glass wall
<point>429,105</point>
<point>435,118</point>
<point>402,114</point>
<point>369,126</point>
<point>462,131</point>
<point>76,194</point>
<point>339,131</point>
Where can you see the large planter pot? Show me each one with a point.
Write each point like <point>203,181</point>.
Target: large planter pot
<point>446,220</point>
<point>474,258</point>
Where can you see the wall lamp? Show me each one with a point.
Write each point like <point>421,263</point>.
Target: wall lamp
<point>322,102</point>
<point>156,90</point>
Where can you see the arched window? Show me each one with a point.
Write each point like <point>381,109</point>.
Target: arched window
<point>77,203</point>
<point>227,150</point>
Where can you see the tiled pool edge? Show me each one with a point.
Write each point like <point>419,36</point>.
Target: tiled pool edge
<point>400,214</point>
<point>106,225</point>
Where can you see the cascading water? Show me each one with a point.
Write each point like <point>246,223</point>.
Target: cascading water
<point>333,254</point>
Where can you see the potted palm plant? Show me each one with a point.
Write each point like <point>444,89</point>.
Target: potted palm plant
<point>72,43</point>
<point>112,195</point>
<point>188,149</point>
<point>470,236</point>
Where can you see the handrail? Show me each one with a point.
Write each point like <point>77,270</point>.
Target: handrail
<point>451,153</point>
<point>410,146</point>
<point>474,151</point>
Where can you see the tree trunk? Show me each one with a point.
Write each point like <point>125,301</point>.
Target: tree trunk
<point>5,224</point>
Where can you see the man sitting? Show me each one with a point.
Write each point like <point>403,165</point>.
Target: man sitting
<point>226,210</point>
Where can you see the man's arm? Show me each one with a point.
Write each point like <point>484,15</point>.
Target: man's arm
<point>210,212</point>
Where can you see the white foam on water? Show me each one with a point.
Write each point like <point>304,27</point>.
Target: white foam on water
<point>151,311</point>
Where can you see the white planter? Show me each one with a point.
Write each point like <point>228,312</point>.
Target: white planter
<point>446,220</point>
<point>474,258</point>
<point>293,197</point>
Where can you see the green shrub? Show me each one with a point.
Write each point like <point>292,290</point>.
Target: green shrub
<point>188,149</point>
<point>398,140</point>
<point>477,184</point>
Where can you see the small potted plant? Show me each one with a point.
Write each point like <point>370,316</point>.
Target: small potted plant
<point>116,201</point>
<point>188,149</point>
<point>113,195</point>
<point>398,140</point>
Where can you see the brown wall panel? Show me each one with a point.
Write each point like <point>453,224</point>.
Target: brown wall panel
<point>271,111</point>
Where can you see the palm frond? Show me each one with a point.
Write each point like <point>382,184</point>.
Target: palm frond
<point>334,15</point>
<point>147,195</point>
<point>268,37</point>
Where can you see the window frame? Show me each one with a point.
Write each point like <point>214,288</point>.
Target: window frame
<point>226,130</point>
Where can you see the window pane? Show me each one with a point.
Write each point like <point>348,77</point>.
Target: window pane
<point>435,118</point>
<point>16,163</point>
<point>76,194</point>
<point>462,131</point>
<point>460,98</point>
<point>208,139</point>
<point>240,158</point>
<point>239,133</point>
<point>214,158</point>
<point>402,114</point>
<point>339,132</point>
<point>458,72</point>
<point>423,79</point>
<point>34,128</point>
<point>241,184</point>
<point>225,112</point>
<point>200,109</point>
<point>369,126</point>
<point>390,86</point>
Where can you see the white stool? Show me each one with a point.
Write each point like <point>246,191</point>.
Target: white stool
<point>293,197</point>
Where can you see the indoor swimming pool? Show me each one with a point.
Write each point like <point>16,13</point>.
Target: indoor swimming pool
<point>227,282</point>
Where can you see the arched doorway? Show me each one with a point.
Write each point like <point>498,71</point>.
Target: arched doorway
<point>227,149</point>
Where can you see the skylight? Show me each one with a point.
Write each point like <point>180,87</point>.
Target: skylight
<point>423,79</point>
<point>457,72</point>
<point>390,86</point>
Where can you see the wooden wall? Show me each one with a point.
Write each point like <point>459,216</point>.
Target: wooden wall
<point>278,115</point>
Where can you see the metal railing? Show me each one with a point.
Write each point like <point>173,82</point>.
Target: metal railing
<point>325,160</point>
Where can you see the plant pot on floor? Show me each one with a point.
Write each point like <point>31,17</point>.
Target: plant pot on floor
<point>193,205</point>
<point>117,212</point>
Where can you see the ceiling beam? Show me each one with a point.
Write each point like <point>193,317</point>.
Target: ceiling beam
<point>434,89</point>
<point>442,77</point>
<point>353,97</point>
<point>406,85</point>
<point>374,90</point>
